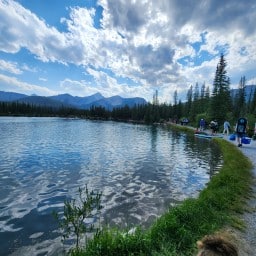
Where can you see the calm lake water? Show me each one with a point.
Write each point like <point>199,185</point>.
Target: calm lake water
<point>141,170</point>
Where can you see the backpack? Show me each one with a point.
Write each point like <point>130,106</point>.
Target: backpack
<point>212,125</point>
<point>241,125</point>
<point>232,137</point>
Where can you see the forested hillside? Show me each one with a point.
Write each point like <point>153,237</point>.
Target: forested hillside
<point>221,104</point>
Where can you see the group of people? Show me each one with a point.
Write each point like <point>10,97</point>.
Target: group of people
<point>213,126</point>
<point>240,129</point>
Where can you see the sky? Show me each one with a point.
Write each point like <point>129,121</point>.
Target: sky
<point>129,48</point>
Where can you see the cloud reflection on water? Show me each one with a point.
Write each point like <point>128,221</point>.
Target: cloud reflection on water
<point>141,171</point>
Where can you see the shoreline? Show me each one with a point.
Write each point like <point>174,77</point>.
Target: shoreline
<point>248,236</point>
<point>246,239</point>
<point>223,204</point>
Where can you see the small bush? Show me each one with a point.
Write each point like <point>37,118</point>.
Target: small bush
<point>76,212</point>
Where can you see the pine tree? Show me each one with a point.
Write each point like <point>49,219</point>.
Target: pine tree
<point>253,104</point>
<point>188,104</point>
<point>175,100</point>
<point>204,99</point>
<point>239,108</point>
<point>221,99</point>
<point>195,106</point>
<point>202,92</point>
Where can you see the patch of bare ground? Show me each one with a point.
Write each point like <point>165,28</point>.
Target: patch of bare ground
<point>246,239</point>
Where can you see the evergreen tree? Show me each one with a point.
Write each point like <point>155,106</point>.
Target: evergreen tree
<point>253,104</point>
<point>204,98</point>
<point>239,107</point>
<point>250,98</point>
<point>221,99</point>
<point>207,93</point>
<point>202,92</point>
<point>189,101</point>
<point>179,110</point>
<point>195,103</point>
<point>175,100</point>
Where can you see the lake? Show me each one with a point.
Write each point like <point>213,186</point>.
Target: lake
<point>141,170</point>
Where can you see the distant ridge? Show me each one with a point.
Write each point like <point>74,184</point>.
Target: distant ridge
<point>67,100</point>
<point>11,96</point>
<point>249,92</point>
<point>41,101</point>
<point>78,102</point>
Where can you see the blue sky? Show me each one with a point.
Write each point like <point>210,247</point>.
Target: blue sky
<point>123,47</point>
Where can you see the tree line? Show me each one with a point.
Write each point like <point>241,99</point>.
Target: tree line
<point>217,104</point>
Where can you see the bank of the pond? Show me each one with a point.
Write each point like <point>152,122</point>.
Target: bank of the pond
<point>176,232</point>
<point>247,237</point>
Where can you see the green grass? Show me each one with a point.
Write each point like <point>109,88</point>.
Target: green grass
<point>176,231</point>
<point>183,128</point>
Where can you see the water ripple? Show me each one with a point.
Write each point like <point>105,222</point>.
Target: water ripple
<point>141,171</point>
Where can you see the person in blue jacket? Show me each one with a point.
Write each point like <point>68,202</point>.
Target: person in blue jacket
<point>241,127</point>
<point>202,125</point>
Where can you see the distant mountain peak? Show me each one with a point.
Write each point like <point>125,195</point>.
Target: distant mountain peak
<point>97,94</point>
<point>73,101</point>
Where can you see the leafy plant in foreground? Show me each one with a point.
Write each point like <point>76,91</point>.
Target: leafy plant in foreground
<point>76,212</point>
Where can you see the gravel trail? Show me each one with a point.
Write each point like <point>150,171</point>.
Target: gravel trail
<point>246,240</point>
<point>248,237</point>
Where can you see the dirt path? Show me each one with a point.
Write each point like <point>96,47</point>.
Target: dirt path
<point>248,238</point>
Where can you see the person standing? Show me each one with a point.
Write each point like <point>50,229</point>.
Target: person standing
<point>202,124</point>
<point>214,126</point>
<point>241,127</point>
<point>226,127</point>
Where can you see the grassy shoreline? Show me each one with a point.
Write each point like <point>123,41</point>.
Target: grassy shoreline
<point>176,232</point>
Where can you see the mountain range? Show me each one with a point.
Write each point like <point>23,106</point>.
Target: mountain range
<point>68,100</point>
<point>249,92</point>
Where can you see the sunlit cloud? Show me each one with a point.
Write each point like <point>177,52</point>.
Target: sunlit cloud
<point>153,44</point>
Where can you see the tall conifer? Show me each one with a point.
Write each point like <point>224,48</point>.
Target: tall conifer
<point>239,108</point>
<point>221,99</point>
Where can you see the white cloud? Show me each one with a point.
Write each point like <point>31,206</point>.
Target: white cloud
<point>20,28</point>
<point>11,67</point>
<point>140,40</point>
<point>23,87</point>
<point>25,67</point>
<point>15,67</point>
<point>106,85</point>
<point>42,79</point>
<point>72,86</point>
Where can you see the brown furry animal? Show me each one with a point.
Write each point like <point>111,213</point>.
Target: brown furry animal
<point>215,245</point>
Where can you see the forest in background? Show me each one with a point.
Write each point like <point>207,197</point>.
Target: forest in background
<point>218,104</point>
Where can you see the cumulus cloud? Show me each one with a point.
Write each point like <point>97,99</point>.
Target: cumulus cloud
<point>151,43</point>
<point>73,86</point>
<point>43,79</point>
<point>10,82</point>
<point>15,67</point>
<point>11,67</point>
<point>106,85</point>
<point>125,15</point>
<point>20,28</point>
